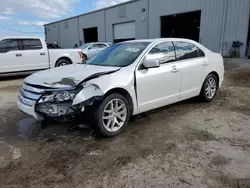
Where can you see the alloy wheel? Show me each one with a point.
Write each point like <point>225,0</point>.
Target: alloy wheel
<point>211,87</point>
<point>114,115</point>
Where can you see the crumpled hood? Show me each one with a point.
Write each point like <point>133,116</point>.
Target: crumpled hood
<point>67,76</point>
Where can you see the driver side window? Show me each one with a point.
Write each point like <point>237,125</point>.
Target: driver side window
<point>7,45</point>
<point>164,52</point>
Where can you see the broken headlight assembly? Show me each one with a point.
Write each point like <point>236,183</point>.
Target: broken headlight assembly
<point>59,96</point>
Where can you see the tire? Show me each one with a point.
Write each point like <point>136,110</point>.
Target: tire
<point>112,122</point>
<point>209,88</point>
<point>84,57</point>
<point>62,62</point>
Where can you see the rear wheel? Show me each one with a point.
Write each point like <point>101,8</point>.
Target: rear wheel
<point>84,57</point>
<point>112,115</point>
<point>209,88</point>
<point>62,62</point>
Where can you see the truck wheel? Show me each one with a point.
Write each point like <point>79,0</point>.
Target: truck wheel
<point>112,115</point>
<point>62,62</point>
<point>84,57</point>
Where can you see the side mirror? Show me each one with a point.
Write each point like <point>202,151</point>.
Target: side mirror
<point>90,48</point>
<point>151,63</point>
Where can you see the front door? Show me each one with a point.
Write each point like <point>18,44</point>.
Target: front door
<point>157,87</point>
<point>10,56</point>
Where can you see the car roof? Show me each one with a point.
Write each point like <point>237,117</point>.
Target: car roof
<point>19,37</point>
<point>96,43</point>
<point>161,39</point>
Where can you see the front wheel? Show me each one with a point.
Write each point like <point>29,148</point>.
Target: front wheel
<point>112,115</point>
<point>209,88</point>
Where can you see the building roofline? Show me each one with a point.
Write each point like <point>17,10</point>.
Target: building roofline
<point>97,10</point>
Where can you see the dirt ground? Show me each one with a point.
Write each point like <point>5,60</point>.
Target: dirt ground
<point>189,144</point>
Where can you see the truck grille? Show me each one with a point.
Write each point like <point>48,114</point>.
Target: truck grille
<point>29,94</point>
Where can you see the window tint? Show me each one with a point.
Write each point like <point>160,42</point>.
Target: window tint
<point>119,55</point>
<point>201,53</point>
<point>102,45</point>
<point>31,44</point>
<point>94,46</point>
<point>97,46</point>
<point>186,50</point>
<point>163,52</point>
<point>86,45</point>
<point>7,45</point>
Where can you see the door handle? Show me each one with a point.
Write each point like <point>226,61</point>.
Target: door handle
<point>42,53</point>
<point>205,64</point>
<point>18,55</point>
<point>175,69</point>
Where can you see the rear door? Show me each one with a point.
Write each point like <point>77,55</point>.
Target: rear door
<point>34,54</point>
<point>194,68</point>
<point>10,56</point>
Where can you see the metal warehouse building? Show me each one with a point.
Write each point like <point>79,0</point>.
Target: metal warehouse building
<point>213,23</point>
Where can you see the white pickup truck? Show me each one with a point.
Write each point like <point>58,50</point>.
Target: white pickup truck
<point>25,54</point>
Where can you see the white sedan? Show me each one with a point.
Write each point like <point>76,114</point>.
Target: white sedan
<point>89,50</point>
<point>123,80</point>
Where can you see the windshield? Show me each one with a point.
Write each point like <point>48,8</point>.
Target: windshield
<point>85,45</point>
<point>119,55</point>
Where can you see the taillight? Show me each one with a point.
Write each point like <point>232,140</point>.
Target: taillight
<point>81,54</point>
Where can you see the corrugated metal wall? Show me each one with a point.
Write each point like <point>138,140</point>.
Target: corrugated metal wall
<point>148,21</point>
<point>68,33</point>
<point>237,21</point>
<point>52,33</point>
<point>132,12</point>
<point>211,17</point>
<point>95,19</point>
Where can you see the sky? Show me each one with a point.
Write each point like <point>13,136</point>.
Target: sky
<point>27,17</point>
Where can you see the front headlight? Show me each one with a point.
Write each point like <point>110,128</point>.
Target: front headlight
<point>65,96</point>
<point>58,96</point>
<point>47,98</point>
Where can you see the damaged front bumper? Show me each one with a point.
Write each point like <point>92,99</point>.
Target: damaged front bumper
<point>41,102</point>
<point>25,106</point>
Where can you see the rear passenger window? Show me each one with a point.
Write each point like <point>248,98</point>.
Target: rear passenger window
<point>185,50</point>
<point>7,45</point>
<point>164,52</point>
<point>31,44</point>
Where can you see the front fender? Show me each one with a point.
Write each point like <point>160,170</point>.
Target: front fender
<point>89,92</point>
<point>97,88</point>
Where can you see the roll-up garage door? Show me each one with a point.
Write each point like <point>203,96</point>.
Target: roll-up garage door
<point>124,32</point>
